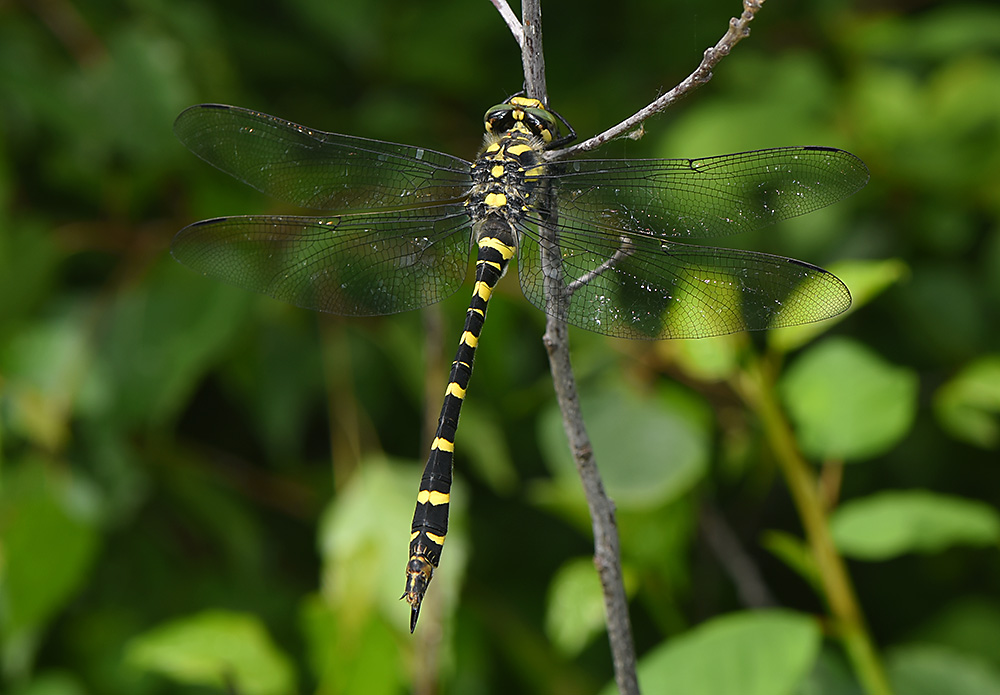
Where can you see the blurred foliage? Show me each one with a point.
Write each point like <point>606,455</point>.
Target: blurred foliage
<point>203,489</point>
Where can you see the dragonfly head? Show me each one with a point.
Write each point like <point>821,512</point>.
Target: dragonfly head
<point>522,114</point>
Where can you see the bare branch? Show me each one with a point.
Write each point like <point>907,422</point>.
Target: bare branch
<point>626,248</point>
<point>734,559</point>
<point>532,56</point>
<point>511,19</point>
<point>739,28</point>
<point>607,554</point>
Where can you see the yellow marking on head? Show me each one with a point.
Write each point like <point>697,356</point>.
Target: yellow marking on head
<point>414,535</point>
<point>505,251</point>
<point>442,444</point>
<point>454,390</point>
<point>483,290</point>
<point>469,339</point>
<point>526,102</point>
<point>435,538</point>
<point>497,171</point>
<point>496,200</point>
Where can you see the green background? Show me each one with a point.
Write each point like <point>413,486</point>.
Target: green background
<point>203,488</point>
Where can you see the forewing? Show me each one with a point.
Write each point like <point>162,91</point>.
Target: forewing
<point>322,171</point>
<point>703,198</point>
<point>632,285</point>
<point>353,265</point>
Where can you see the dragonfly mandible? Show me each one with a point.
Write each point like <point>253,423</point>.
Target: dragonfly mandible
<point>399,221</point>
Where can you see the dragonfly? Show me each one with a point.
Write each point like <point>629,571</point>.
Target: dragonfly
<point>394,226</point>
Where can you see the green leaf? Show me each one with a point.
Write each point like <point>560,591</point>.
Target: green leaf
<point>652,448</point>
<point>889,524</point>
<point>575,612</point>
<point>927,670</point>
<point>847,402</point>
<point>711,359</point>
<point>43,366</point>
<point>968,406</point>
<point>216,648</point>
<point>49,544</point>
<point>751,653</point>
<point>348,658</point>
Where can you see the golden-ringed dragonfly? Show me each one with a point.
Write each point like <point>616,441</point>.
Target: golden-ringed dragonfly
<point>399,222</point>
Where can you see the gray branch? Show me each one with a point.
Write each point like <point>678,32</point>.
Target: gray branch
<point>739,28</point>
<point>607,553</point>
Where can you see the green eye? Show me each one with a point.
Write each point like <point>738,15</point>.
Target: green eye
<point>499,118</point>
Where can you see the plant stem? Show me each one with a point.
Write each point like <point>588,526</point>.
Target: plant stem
<point>757,390</point>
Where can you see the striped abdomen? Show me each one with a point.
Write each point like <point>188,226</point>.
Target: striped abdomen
<point>430,519</point>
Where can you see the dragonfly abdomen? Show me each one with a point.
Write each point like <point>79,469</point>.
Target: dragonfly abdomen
<point>430,518</point>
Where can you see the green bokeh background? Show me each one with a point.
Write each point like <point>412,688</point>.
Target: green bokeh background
<point>200,486</point>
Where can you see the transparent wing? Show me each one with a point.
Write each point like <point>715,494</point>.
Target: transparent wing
<point>322,171</point>
<point>704,198</point>
<point>618,227</point>
<point>353,265</point>
<point>642,286</point>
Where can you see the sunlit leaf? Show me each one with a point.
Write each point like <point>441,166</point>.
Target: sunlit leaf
<point>751,653</point>
<point>216,648</point>
<point>711,359</point>
<point>575,612</point>
<point>48,545</point>
<point>889,524</point>
<point>847,402</point>
<point>651,448</point>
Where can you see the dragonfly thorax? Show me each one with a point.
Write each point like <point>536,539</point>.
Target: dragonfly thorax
<point>505,179</point>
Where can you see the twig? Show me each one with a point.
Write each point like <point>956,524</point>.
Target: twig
<point>756,388</point>
<point>626,249</point>
<point>735,561</point>
<point>607,553</point>
<point>511,19</point>
<point>532,56</point>
<point>739,28</point>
